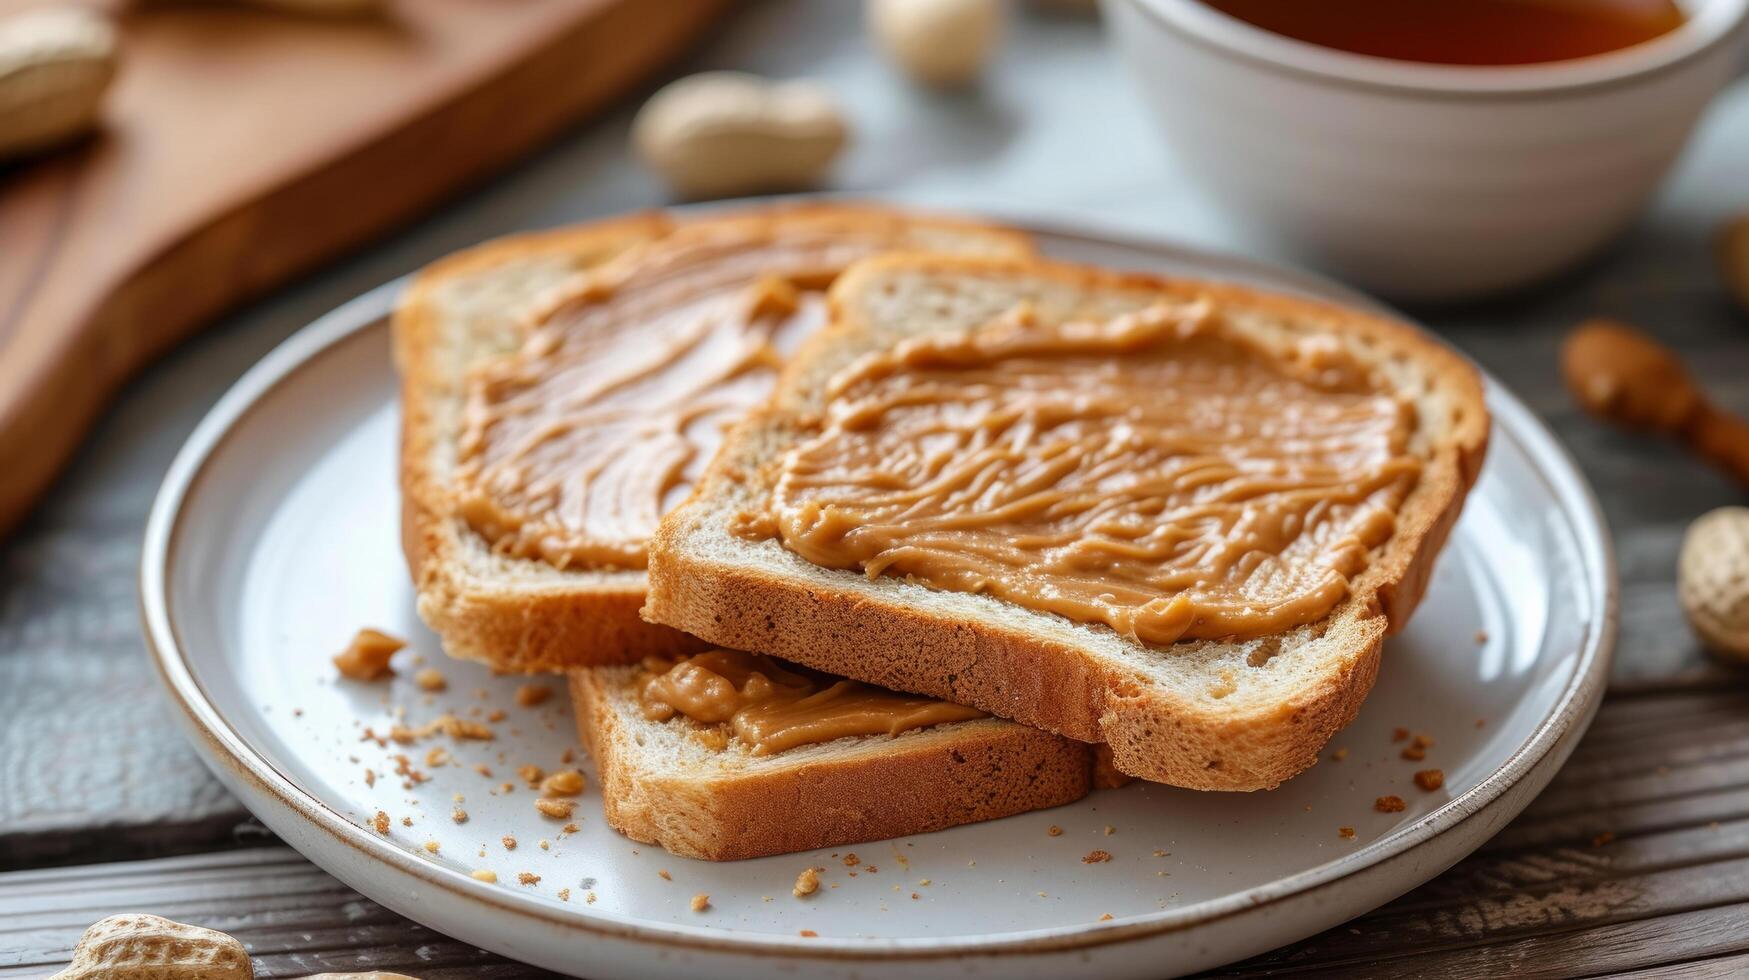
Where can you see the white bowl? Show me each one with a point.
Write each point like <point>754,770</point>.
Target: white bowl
<point>1423,181</point>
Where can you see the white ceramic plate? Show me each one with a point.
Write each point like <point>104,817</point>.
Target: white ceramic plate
<point>276,536</point>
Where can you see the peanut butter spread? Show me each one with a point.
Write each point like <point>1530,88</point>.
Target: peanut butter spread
<point>1162,473</point>
<point>576,445</point>
<point>771,708</point>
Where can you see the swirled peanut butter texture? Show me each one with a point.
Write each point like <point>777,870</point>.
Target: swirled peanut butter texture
<point>770,708</point>
<point>1162,473</point>
<point>574,447</point>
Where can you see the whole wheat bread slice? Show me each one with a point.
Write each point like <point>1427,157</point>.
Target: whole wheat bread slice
<point>1207,714</point>
<point>520,614</point>
<point>662,784</point>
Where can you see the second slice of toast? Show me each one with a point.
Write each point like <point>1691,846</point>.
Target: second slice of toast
<point>697,792</point>
<point>1209,713</point>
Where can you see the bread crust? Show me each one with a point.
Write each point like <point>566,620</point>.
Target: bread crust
<point>866,789</point>
<point>561,621</point>
<point>832,622</point>
<point>507,628</point>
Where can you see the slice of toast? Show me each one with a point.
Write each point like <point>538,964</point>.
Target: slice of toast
<point>475,309</point>
<point>1205,714</point>
<point>682,785</point>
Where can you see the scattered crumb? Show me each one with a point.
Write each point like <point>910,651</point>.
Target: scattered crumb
<point>914,895</point>
<point>664,875</point>
<point>497,715</point>
<point>1339,754</point>
<point>370,777</point>
<point>1389,804</point>
<point>923,882</point>
<point>407,821</point>
<point>1399,734</point>
<point>807,934</point>
<point>508,841</point>
<point>431,679</point>
<point>1423,741</point>
<point>1106,917</point>
<point>1160,854</point>
<point>528,878</point>
<point>381,823</point>
<point>1481,637</point>
<point>1346,833</point>
<point>569,828</point>
<point>482,770</point>
<point>871,869</point>
<point>700,902</point>
<point>485,875</point>
<point>1109,830</point>
<point>432,846</point>
<point>437,757</point>
<point>366,658</point>
<point>1414,753</point>
<point>568,757</point>
<point>1481,722</point>
<point>1603,838</point>
<point>546,845</point>
<point>564,894</point>
<point>557,809</point>
<point>590,898</point>
<point>529,695</point>
<point>807,883</point>
<point>1096,857</point>
<point>568,782</point>
<point>532,775</point>
<point>459,816</point>
<point>1054,830</point>
<point>1430,779</point>
<point>851,860</point>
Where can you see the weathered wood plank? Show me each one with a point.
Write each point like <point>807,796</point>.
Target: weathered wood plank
<point>294,918</point>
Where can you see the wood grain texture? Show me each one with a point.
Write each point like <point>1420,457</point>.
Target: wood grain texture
<point>241,146</point>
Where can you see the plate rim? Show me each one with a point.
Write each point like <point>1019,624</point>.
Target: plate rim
<point>225,751</point>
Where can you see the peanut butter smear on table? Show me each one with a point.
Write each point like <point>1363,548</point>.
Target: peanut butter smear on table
<point>771,708</point>
<point>1162,473</point>
<point>575,446</point>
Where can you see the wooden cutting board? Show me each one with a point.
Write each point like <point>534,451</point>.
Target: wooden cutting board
<point>241,147</point>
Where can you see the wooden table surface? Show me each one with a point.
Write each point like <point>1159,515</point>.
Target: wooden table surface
<point>1635,861</point>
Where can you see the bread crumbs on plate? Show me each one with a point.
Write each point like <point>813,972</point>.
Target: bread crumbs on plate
<point>1389,804</point>
<point>508,841</point>
<point>564,894</point>
<point>807,934</point>
<point>1106,917</point>
<point>1430,779</point>
<point>431,679</point>
<point>487,876</point>
<point>1603,838</point>
<point>664,875</point>
<point>1054,830</point>
<point>529,695</point>
<point>700,902</point>
<point>459,816</point>
<point>1340,754</point>
<point>381,823</point>
<point>1096,857</point>
<point>851,860</point>
<point>807,883</point>
<point>557,809</point>
<point>1399,734</point>
<point>1346,833</point>
<point>528,878</point>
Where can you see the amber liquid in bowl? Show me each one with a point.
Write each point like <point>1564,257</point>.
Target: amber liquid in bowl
<point>1464,32</point>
